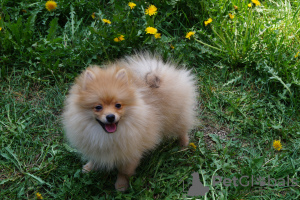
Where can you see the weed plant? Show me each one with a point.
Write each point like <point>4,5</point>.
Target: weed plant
<point>245,55</point>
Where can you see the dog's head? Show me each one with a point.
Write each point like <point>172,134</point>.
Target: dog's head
<point>107,92</point>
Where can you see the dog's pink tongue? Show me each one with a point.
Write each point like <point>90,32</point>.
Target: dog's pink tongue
<point>110,128</point>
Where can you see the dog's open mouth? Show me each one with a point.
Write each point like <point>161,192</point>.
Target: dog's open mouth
<point>109,128</point>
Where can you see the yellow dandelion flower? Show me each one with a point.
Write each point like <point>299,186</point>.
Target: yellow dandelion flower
<point>249,5</point>
<point>39,196</point>
<point>106,21</point>
<point>297,54</point>
<point>93,16</point>
<point>208,21</point>
<point>235,7</point>
<point>172,47</point>
<point>193,145</point>
<point>231,16</point>
<point>151,10</point>
<point>0,28</point>
<point>131,5</point>
<point>119,39</point>
<point>277,145</point>
<point>51,5</point>
<point>189,35</point>
<point>151,30</point>
<point>24,11</point>
<point>157,35</point>
<point>256,2</point>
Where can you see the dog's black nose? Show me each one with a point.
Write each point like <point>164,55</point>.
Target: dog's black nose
<point>110,118</point>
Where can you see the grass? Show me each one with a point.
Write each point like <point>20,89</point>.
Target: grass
<point>248,74</point>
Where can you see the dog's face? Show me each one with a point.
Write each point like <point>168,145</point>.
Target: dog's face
<point>108,114</point>
<point>107,93</point>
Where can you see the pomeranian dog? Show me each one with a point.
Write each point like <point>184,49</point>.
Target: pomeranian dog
<point>116,113</point>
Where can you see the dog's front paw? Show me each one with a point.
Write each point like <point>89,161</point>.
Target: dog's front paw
<point>88,167</point>
<point>122,184</point>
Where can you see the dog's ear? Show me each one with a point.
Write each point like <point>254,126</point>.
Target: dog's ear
<point>88,77</point>
<point>122,75</point>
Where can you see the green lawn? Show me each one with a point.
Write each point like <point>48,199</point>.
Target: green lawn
<point>248,73</point>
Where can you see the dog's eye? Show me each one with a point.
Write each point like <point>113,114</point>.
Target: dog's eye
<point>98,108</point>
<point>118,105</point>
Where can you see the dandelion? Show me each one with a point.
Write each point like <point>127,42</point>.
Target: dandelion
<point>235,7</point>
<point>172,47</point>
<point>208,21</point>
<point>157,35</point>
<point>277,145</point>
<point>131,5</point>
<point>119,39</point>
<point>249,5</point>
<point>193,145</point>
<point>39,196</point>
<point>24,11</point>
<point>256,2</point>
<point>231,16</point>
<point>297,54</point>
<point>151,10</point>
<point>93,15</point>
<point>151,30</point>
<point>51,5</point>
<point>189,35</point>
<point>106,21</point>
<point>0,28</point>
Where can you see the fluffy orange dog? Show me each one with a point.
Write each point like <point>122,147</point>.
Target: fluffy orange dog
<point>115,114</point>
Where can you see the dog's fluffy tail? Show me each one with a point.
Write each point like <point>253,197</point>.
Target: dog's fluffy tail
<point>152,79</point>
